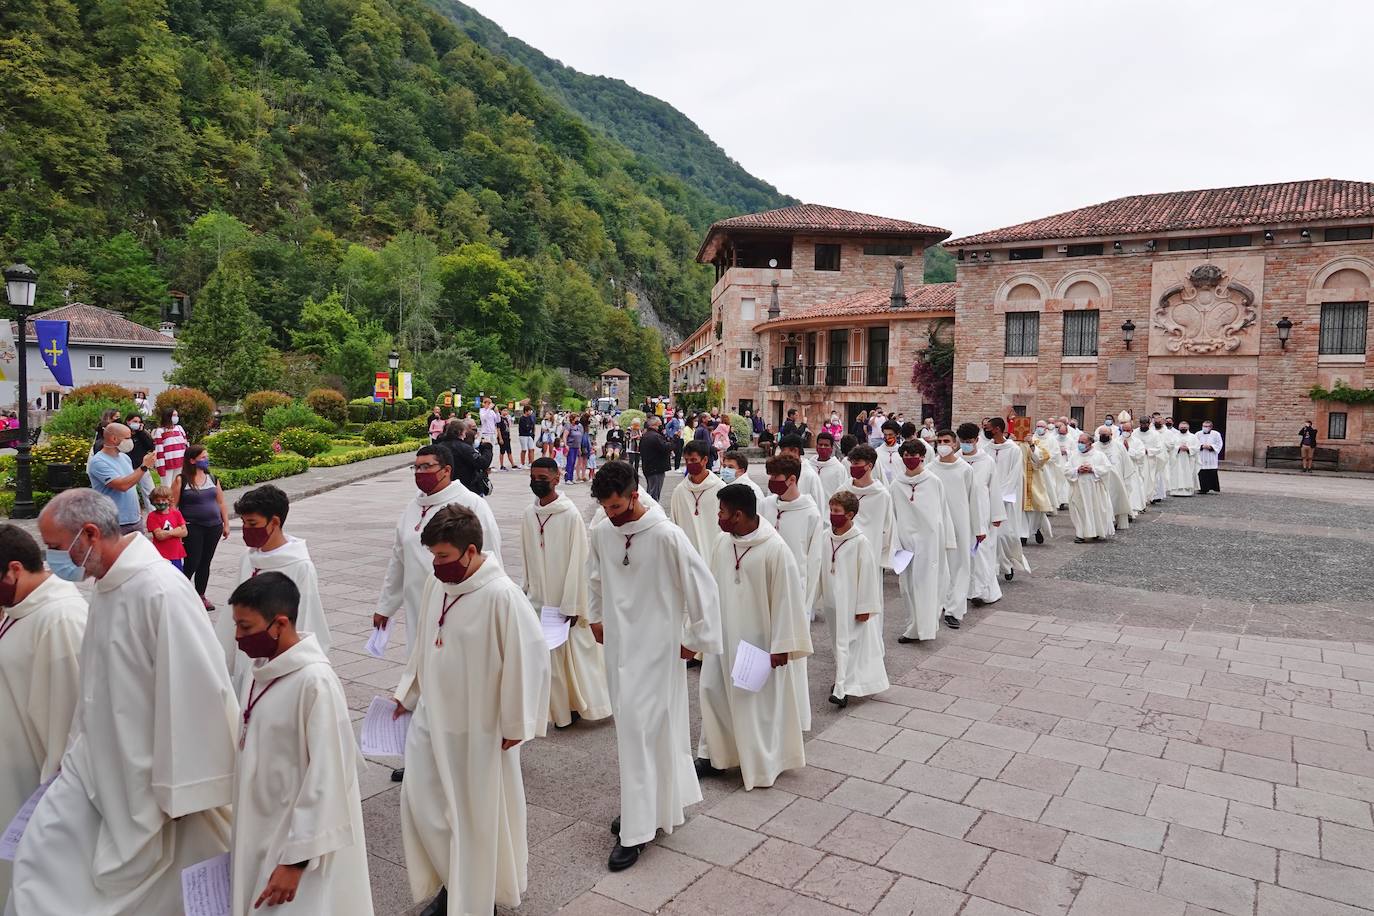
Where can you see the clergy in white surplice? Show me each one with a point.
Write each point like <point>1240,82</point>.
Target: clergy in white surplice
<point>983,585</point>
<point>1054,437</point>
<point>1183,465</point>
<point>760,604</point>
<point>923,526</point>
<point>263,513</point>
<point>850,596</point>
<point>146,782</point>
<point>478,684</point>
<point>1011,478</point>
<point>1129,437</point>
<point>40,674</point>
<point>553,541</point>
<point>298,811</point>
<point>1090,503</point>
<point>692,507</point>
<point>889,464</point>
<point>409,571</point>
<point>810,480</point>
<point>1208,459</point>
<point>1156,459</point>
<point>968,509</point>
<point>875,503</point>
<point>829,468</point>
<point>799,522</point>
<point>1118,461</point>
<point>653,604</point>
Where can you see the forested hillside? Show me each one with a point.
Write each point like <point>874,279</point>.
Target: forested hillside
<point>360,171</point>
<point>650,127</point>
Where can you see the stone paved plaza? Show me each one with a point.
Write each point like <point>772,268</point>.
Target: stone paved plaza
<point>1175,723</point>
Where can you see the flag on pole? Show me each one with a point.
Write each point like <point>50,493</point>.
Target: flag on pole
<point>52,346</point>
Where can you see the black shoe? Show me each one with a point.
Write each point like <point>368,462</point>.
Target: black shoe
<point>692,663</point>
<point>1039,538</point>
<point>1079,541</point>
<point>903,640</point>
<point>952,622</point>
<point>1023,542</point>
<point>977,602</point>
<point>704,768</point>
<point>622,857</point>
<point>438,906</point>
<point>575,719</point>
<point>615,826</point>
<point>1009,575</point>
<point>398,774</point>
<point>842,702</point>
<point>1063,506</point>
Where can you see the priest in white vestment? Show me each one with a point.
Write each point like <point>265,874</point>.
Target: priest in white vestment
<point>850,596</point>
<point>40,673</point>
<point>1208,459</point>
<point>1117,461</point>
<point>148,775</point>
<point>968,510</point>
<point>810,480</point>
<point>553,541</point>
<point>760,603</point>
<point>983,585</point>
<point>889,464</point>
<point>875,503</point>
<point>1184,463</point>
<point>923,526</point>
<point>298,812</point>
<point>1043,481</point>
<point>799,522</point>
<point>478,684</point>
<point>263,514</point>
<point>1090,503</point>
<point>1010,458</point>
<point>692,507</point>
<point>652,602</point>
<point>828,468</point>
<point>1129,438</point>
<point>1156,459</point>
<point>1061,444</point>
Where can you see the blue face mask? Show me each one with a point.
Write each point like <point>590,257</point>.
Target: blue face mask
<point>727,474</point>
<point>1083,447</point>
<point>64,567</point>
<point>966,448</point>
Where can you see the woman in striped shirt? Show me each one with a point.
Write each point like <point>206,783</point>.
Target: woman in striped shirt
<point>169,443</point>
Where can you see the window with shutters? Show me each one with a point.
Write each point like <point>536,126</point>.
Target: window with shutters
<point>1343,327</point>
<point>1023,334</point>
<point>1080,333</point>
<point>1335,425</point>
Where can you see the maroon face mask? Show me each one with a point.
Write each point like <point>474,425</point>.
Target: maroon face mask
<point>623,518</point>
<point>7,590</point>
<point>451,573</point>
<point>258,645</point>
<point>777,486</point>
<point>857,472</point>
<point>727,525</point>
<point>255,537</point>
<point>427,481</point>
<point>837,519</point>
<point>912,462</point>
<point>824,452</point>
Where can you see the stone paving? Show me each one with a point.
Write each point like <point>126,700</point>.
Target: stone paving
<point>1133,729</point>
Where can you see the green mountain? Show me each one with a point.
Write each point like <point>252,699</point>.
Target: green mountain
<point>650,127</point>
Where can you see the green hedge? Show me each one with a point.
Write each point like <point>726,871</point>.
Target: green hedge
<point>305,442</point>
<point>281,466</point>
<point>240,447</point>
<point>40,498</point>
<point>362,454</point>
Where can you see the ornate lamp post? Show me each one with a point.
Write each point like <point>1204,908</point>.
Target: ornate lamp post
<point>393,360</point>
<point>1128,332</point>
<point>20,283</point>
<point>1283,324</point>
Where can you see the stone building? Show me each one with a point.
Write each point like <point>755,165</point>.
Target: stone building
<point>1227,304</point>
<point>809,311</point>
<point>614,385</point>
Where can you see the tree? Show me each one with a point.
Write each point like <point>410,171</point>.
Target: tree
<point>939,265</point>
<point>214,235</point>
<point>223,348</point>
<point>479,289</point>
<point>124,279</point>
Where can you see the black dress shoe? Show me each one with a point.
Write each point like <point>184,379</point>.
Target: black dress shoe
<point>976,602</point>
<point>438,906</point>
<point>622,857</point>
<point>1039,538</point>
<point>691,663</point>
<point>952,622</point>
<point>398,774</point>
<point>704,768</point>
<point>575,719</point>
<point>1011,574</point>
<point>615,826</point>
<point>905,639</point>
<point>1079,541</point>
<point>841,702</point>
<point>1063,506</point>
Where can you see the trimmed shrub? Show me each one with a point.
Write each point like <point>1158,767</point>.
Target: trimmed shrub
<point>418,406</point>
<point>98,391</point>
<point>418,427</point>
<point>329,404</point>
<point>295,415</point>
<point>364,410</point>
<point>382,433</point>
<point>741,427</point>
<point>40,499</point>
<point>256,405</point>
<point>305,442</point>
<point>80,419</point>
<point>281,466</point>
<point>626,417</point>
<point>363,454</point>
<point>194,406</point>
<point>240,447</point>
<point>73,450</point>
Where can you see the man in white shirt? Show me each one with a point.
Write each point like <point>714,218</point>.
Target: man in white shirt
<point>927,432</point>
<point>1209,445</point>
<point>488,417</point>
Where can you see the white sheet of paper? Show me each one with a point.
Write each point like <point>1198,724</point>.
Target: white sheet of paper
<point>382,735</point>
<point>752,667</point>
<point>9,840</point>
<point>377,642</point>
<point>1009,498</point>
<point>205,887</point>
<point>555,625</point>
<point>901,559</point>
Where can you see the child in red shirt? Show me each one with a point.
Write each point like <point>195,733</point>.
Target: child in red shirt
<point>167,527</point>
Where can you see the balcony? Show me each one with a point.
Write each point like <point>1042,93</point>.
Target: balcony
<point>831,376</point>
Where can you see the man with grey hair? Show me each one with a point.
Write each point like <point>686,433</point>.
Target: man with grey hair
<point>114,476</point>
<point>656,457</point>
<point>148,773</point>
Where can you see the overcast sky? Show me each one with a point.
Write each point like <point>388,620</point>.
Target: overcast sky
<point>977,115</point>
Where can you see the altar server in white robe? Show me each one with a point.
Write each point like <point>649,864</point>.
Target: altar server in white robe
<point>734,468</point>
<point>875,503</point>
<point>1156,459</point>
<point>652,602</point>
<point>850,595</point>
<point>983,585</point>
<point>692,506</point>
<point>761,604</point>
<point>889,465</point>
<point>1117,460</point>
<point>1090,503</point>
<point>829,468</point>
<point>553,541</point>
<point>298,843</point>
<point>1010,458</point>
<point>1129,438</point>
<point>1061,444</point>
<point>1208,459</point>
<point>799,522</point>
<point>922,525</point>
<point>148,775</point>
<point>810,480</point>
<point>270,549</point>
<point>968,509</point>
<point>1047,437</point>
<point>478,683</point>
<point>40,674</point>
<point>1183,466</point>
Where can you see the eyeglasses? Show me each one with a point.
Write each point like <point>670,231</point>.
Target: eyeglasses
<point>432,466</point>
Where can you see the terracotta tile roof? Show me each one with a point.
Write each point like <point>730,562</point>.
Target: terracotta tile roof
<point>92,324</point>
<point>1251,205</point>
<point>819,219</point>
<point>618,372</point>
<point>931,297</point>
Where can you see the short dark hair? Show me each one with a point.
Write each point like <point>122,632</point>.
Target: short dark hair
<point>968,431</point>
<point>737,457</point>
<point>547,464</point>
<point>615,478</point>
<point>997,423</point>
<point>786,465</point>
<point>700,449</point>
<point>791,410</point>
<point>455,525</point>
<point>913,446</point>
<point>739,496</point>
<point>267,501</point>
<point>863,453</point>
<point>945,432</point>
<point>828,437</point>
<point>847,443</point>
<point>269,594</point>
<point>908,429</point>
<point>18,544</point>
<point>846,501</point>
<point>442,453</point>
<point>892,426</point>
<point>792,440</point>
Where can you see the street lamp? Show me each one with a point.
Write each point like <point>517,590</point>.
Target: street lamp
<point>1285,329</point>
<point>20,283</point>
<point>1128,332</point>
<point>393,360</point>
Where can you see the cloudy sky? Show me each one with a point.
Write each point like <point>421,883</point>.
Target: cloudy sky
<point>978,115</point>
